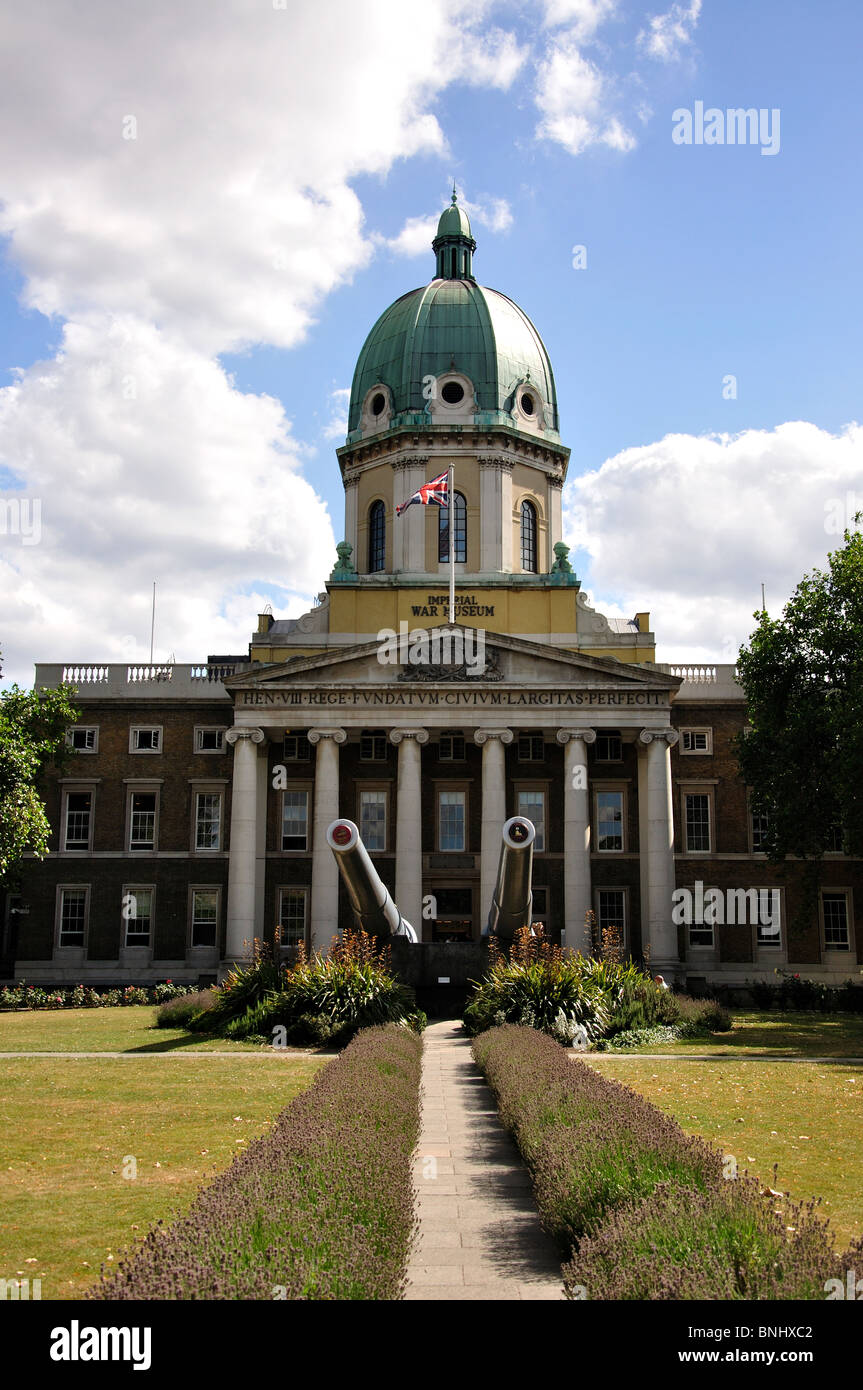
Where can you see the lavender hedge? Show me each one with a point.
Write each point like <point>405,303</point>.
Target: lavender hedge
<point>641,1209</point>
<point>319,1208</point>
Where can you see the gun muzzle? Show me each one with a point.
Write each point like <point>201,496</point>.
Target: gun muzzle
<point>372,905</point>
<point>512,902</point>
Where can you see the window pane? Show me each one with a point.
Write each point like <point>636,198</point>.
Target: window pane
<point>460,519</point>
<point>532,805</point>
<point>73,911</point>
<point>373,819</point>
<point>295,820</point>
<point>697,822</point>
<point>292,915</point>
<point>612,910</point>
<point>609,815</point>
<point>208,819</point>
<point>769,930</point>
<point>205,906</point>
<point>451,812</point>
<point>836,922</point>
<point>143,820</point>
<point>531,748</point>
<point>609,748</point>
<point>759,831</point>
<point>377,537</point>
<point>139,921</point>
<point>78,820</point>
<point>528,537</point>
<point>373,746</point>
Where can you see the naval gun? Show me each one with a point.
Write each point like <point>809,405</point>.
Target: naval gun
<point>512,901</point>
<point>374,909</point>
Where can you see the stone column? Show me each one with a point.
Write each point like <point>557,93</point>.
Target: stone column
<point>492,742</point>
<point>656,832</point>
<point>576,837</point>
<point>241,858</point>
<point>325,871</point>
<point>409,552</point>
<point>555,520</point>
<point>352,482</point>
<point>409,857</point>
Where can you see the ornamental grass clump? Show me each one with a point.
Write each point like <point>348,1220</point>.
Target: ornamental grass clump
<point>641,1209</point>
<point>321,1207</point>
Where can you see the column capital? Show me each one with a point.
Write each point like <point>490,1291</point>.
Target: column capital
<point>337,735</point>
<point>351,480</point>
<point>418,735</point>
<point>586,735</point>
<point>670,735</point>
<point>482,736</point>
<point>232,736</point>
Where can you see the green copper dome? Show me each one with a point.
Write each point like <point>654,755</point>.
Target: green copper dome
<point>454,325</point>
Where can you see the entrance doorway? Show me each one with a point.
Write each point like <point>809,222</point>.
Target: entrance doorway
<point>454,920</point>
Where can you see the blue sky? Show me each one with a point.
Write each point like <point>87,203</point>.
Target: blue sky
<point>555,120</point>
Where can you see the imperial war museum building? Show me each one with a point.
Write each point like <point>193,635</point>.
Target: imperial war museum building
<point>202,794</point>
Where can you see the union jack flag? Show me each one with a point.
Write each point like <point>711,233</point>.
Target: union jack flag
<point>435,491</point>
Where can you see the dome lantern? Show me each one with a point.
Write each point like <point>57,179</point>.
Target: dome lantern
<point>454,245</point>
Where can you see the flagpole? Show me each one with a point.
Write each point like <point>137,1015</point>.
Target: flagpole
<point>451,490</point>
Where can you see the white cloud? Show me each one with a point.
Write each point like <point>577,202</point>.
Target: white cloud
<point>224,222</point>
<point>583,17</point>
<point>667,35</point>
<point>713,517</point>
<point>337,425</point>
<point>573,97</point>
<point>149,464</point>
<point>416,236</point>
<point>492,58</point>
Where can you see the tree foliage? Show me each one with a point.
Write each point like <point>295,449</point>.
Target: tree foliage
<point>33,725</point>
<point>803,678</point>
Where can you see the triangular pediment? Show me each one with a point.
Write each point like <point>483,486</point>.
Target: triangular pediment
<point>504,659</point>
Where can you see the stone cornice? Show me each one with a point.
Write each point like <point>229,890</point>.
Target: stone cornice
<point>510,445</point>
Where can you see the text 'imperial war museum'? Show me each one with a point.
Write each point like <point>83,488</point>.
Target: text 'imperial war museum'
<point>202,794</point>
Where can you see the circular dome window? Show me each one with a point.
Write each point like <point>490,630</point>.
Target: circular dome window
<point>527,404</point>
<point>452,392</point>
<point>378,403</point>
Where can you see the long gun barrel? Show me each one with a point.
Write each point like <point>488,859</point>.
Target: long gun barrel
<point>512,902</point>
<point>373,907</point>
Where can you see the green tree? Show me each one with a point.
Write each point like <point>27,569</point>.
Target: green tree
<point>33,726</point>
<point>803,678</point>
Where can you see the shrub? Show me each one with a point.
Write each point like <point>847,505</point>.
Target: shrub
<point>764,994</point>
<point>730,1241</point>
<point>318,999</point>
<point>177,1012</point>
<point>565,994</point>
<point>245,986</point>
<point>321,1207</point>
<point>644,1209</point>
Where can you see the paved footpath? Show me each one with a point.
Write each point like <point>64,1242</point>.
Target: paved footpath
<point>480,1235</point>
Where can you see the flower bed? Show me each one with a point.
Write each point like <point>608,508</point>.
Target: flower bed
<point>321,1207</point>
<point>641,1209</point>
<point>24,996</point>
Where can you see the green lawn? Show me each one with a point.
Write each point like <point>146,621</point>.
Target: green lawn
<point>805,1117</point>
<point>131,1029</point>
<point>760,1034</point>
<point>68,1126</point>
